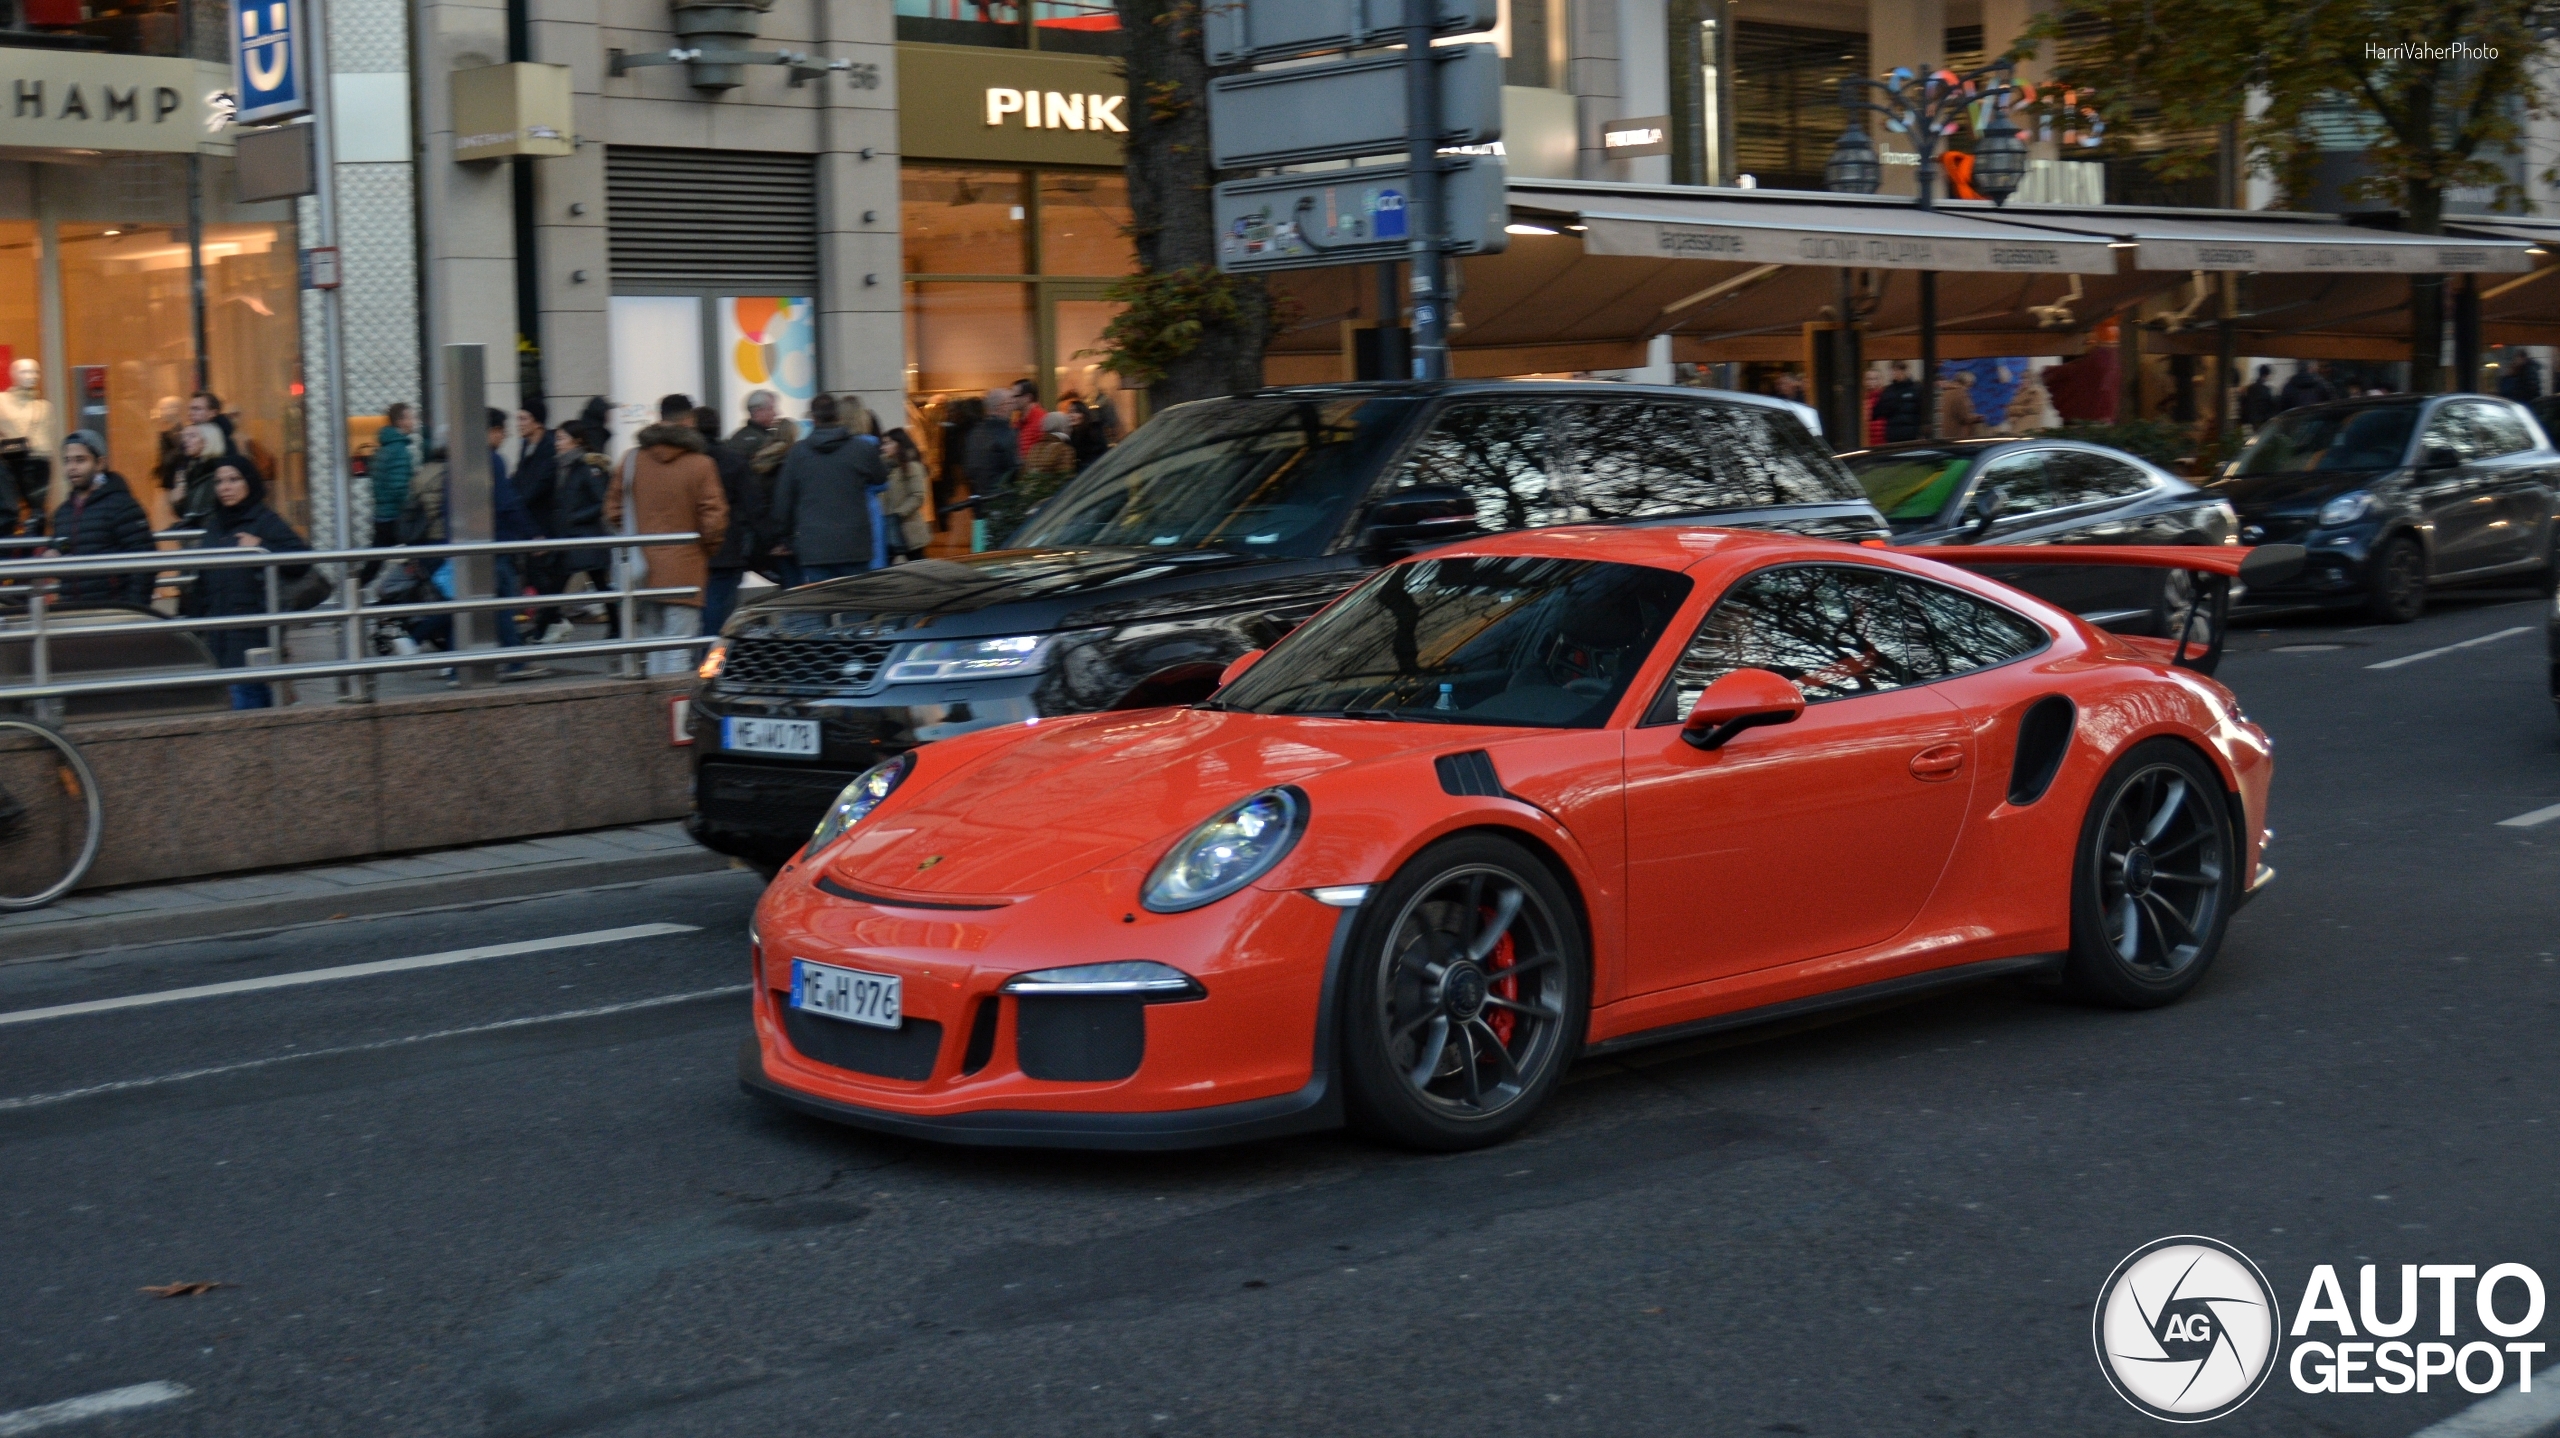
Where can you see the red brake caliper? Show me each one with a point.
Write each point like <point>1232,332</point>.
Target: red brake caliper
<point>1501,1021</point>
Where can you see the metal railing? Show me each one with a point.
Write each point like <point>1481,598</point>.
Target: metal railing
<point>35,581</point>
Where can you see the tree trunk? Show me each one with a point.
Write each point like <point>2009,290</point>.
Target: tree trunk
<point>1169,194</point>
<point>2425,208</point>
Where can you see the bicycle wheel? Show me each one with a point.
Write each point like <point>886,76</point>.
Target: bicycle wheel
<point>51,820</point>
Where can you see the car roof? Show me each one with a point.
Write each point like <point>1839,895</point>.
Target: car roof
<point>1533,388</point>
<point>1656,545</point>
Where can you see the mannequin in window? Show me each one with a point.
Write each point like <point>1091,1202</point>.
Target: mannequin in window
<point>26,416</point>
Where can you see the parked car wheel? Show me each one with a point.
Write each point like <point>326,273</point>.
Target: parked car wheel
<point>2396,589</point>
<point>1467,996</point>
<point>2183,595</point>
<point>2156,876</point>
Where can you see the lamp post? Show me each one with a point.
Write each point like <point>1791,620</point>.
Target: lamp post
<point>1924,108</point>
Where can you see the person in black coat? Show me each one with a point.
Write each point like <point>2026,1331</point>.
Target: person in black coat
<point>2258,401</point>
<point>240,519</point>
<point>2309,385</point>
<point>100,517</point>
<point>1901,406</point>
<point>744,545</point>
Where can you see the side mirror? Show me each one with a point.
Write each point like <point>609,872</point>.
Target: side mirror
<point>1236,668</point>
<point>2439,456</point>
<point>1414,518</point>
<point>1984,507</point>
<point>1744,699</point>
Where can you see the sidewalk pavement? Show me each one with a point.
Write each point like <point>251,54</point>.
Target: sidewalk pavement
<point>231,904</point>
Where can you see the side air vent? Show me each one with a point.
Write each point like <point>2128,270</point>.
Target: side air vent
<point>1470,774</point>
<point>2044,736</point>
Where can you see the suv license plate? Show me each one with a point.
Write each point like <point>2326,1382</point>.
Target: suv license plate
<point>848,994</point>
<point>795,737</point>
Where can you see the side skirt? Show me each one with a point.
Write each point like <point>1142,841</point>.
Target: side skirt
<point>1897,988</point>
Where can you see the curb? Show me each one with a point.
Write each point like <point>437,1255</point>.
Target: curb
<point>209,921</point>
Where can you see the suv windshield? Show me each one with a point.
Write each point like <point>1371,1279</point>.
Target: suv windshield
<point>2366,437</point>
<point>1549,643</point>
<point>1911,486</point>
<point>1256,476</point>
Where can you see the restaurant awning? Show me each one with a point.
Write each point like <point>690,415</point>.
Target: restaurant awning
<point>1687,223</point>
<point>2276,244</point>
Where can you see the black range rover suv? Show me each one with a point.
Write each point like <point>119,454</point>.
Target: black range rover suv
<point>1214,529</point>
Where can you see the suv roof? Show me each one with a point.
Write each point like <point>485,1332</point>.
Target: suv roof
<point>1559,388</point>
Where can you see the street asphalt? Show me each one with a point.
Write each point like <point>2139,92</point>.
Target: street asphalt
<point>430,1220</point>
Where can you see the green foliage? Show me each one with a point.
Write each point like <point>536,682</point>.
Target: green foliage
<point>1166,316</point>
<point>2427,122</point>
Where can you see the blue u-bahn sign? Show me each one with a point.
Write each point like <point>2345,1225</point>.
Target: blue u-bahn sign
<point>272,68</point>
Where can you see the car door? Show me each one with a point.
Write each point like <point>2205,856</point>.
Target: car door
<point>2045,494</point>
<point>2455,491</point>
<point>2520,481</point>
<point>1803,839</point>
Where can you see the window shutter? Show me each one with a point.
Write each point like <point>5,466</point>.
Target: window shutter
<point>714,221</point>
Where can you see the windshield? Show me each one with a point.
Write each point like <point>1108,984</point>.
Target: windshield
<point>2372,437</point>
<point>1911,486</point>
<point>1549,643</point>
<point>1256,476</point>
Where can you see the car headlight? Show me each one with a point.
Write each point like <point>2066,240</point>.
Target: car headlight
<point>714,659</point>
<point>1237,846</point>
<point>1143,978</point>
<point>2347,507</point>
<point>859,798</point>
<point>973,658</point>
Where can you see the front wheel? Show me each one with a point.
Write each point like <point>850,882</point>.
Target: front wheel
<point>51,819</point>
<point>2154,881</point>
<point>1466,997</point>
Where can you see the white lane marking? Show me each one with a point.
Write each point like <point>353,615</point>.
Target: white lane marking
<point>351,971</point>
<point>2511,1414</point>
<point>2449,648</point>
<point>43,1100</point>
<point>72,1410</point>
<point>2527,821</point>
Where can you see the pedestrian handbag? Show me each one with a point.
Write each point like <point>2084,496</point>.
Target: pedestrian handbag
<point>310,591</point>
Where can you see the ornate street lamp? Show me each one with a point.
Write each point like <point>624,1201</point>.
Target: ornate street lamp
<point>1923,108</point>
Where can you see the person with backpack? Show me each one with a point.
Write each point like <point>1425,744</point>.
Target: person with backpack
<point>823,505</point>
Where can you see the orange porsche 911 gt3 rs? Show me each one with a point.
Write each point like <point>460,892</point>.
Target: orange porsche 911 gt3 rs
<point>1510,802</point>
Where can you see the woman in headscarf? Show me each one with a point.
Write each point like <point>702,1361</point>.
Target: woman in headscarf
<point>240,519</point>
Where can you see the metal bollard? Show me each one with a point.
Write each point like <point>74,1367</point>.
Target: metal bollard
<point>630,608</point>
<point>275,632</point>
<point>352,688</point>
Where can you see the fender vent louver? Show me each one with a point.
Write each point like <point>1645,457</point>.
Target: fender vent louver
<point>2044,737</point>
<point>1470,774</point>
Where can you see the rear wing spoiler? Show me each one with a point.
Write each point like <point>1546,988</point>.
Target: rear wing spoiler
<point>2265,564</point>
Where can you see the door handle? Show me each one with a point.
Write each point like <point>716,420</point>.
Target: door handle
<point>1939,762</point>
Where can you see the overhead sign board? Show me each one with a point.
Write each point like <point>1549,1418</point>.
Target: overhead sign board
<point>2312,257</point>
<point>1247,33</point>
<point>85,100</point>
<point>1635,138</point>
<point>1349,109</point>
<point>1354,216</point>
<point>271,51</point>
<point>1873,247</point>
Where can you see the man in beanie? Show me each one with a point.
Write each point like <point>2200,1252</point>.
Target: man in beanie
<point>98,515</point>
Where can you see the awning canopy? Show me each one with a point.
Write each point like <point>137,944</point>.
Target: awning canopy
<point>2285,244</point>
<point>1685,223</point>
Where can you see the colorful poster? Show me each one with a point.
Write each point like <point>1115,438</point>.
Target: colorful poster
<point>768,342</point>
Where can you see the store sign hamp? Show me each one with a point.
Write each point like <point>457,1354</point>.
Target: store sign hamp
<point>75,101</point>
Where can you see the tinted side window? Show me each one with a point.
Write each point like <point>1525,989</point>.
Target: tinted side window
<point>2026,481</point>
<point>2505,429</point>
<point>2082,478</point>
<point>1497,452</point>
<point>1774,456</point>
<point>2458,427</point>
<point>1636,458</point>
<point>1970,633</point>
<point>1836,630</point>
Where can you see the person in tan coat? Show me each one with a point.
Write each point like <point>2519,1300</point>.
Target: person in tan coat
<point>1957,418</point>
<point>672,486</point>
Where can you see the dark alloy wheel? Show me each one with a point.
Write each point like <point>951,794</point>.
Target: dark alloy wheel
<point>2156,876</point>
<point>2397,591</point>
<point>1466,998</point>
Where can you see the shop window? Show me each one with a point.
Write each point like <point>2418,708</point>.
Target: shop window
<point>121,27</point>
<point>1077,368</point>
<point>1084,224</point>
<point>967,339</point>
<point>961,22</point>
<point>964,222</point>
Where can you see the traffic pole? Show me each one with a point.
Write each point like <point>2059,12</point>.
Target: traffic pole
<point>1422,156</point>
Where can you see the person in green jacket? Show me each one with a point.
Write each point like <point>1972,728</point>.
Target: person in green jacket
<point>394,463</point>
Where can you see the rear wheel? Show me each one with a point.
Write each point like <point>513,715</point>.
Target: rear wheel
<point>51,820</point>
<point>2396,590</point>
<point>2154,881</point>
<point>1466,997</point>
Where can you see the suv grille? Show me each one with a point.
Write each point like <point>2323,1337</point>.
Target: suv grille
<point>804,666</point>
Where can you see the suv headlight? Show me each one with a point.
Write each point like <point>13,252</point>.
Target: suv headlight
<point>714,659</point>
<point>859,798</point>
<point>1238,845</point>
<point>2346,508</point>
<point>973,658</point>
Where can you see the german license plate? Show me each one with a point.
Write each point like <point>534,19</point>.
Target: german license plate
<point>795,737</point>
<point>848,994</point>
